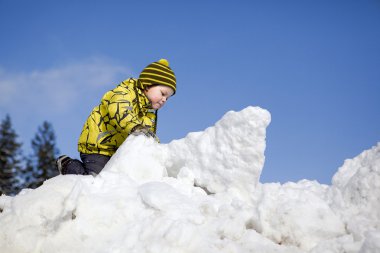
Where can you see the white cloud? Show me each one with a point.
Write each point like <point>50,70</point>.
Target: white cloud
<point>57,89</point>
<point>7,88</point>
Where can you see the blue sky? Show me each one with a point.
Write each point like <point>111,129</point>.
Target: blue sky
<point>314,65</point>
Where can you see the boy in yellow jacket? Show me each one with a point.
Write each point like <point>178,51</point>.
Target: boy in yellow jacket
<point>130,108</point>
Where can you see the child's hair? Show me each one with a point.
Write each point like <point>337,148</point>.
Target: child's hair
<point>158,73</point>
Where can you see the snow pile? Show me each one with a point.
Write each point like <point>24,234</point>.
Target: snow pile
<point>296,214</point>
<point>198,194</point>
<point>355,195</point>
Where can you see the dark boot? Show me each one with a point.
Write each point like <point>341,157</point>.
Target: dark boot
<point>61,163</point>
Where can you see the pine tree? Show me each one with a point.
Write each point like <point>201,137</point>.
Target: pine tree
<point>44,154</point>
<point>29,173</point>
<point>10,158</point>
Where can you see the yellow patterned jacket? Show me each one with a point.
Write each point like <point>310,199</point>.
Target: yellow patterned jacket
<point>110,123</point>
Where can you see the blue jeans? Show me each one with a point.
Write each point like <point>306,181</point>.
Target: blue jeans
<point>91,164</point>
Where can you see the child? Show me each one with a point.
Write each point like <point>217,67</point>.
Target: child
<point>130,108</point>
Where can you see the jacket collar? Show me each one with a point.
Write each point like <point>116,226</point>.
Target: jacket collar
<point>142,100</point>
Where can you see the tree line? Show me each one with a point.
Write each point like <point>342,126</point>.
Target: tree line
<point>19,171</point>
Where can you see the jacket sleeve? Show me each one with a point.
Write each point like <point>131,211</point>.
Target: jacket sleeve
<point>123,112</point>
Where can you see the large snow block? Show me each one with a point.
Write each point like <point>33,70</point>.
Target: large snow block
<point>227,157</point>
<point>355,192</point>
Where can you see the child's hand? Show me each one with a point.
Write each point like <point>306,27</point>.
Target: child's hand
<point>139,129</point>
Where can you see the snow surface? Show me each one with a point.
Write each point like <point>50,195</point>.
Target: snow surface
<point>198,194</point>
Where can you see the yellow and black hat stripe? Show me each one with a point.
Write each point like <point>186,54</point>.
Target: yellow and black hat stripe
<point>158,73</point>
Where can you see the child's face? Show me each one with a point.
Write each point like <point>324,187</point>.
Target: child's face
<point>158,95</point>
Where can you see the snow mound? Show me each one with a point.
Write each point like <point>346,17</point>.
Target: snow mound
<point>198,194</point>
<point>355,193</point>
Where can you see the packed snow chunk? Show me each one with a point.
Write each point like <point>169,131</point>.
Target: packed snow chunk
<point>165,198</point>
<point>371,243</point>
<point>33,215</point>
<point>342,244</point>
<point>355,192</point>
<point>227,157</point>
<point>296,214</point>
<point>140,158</point>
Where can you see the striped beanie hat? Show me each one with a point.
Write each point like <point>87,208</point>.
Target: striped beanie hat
<point>158,73</point>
